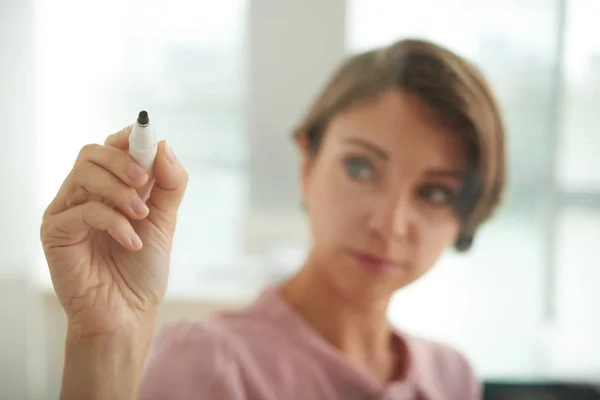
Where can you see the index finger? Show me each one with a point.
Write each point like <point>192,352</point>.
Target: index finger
<point>120,140</point>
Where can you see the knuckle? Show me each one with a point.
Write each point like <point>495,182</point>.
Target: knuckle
<point>46,213</point>
<point>95,180</point>
<point>45,227</point>
<point>87,150</point>
<point>94,215</point>
<point>185,177</point>
<point>84,175</point>
<point>110,138</point>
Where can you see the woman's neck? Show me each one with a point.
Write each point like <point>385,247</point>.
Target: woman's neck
<point>359,330</point>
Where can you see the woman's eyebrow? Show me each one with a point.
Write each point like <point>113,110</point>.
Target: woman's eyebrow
<point>379,152</point>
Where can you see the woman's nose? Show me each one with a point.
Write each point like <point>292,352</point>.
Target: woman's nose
<point>394,217</point>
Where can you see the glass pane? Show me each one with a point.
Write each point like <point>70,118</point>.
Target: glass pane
<point>580,140</point>
<point>208,256</point>
<point>100,63</point>
<point>576,349</point>
<point>462,300</point>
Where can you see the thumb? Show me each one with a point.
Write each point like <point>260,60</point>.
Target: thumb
<point>170,181</point>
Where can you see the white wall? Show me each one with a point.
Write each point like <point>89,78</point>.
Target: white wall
<point>289,60</point>
<point>20,352</point>
<point>17,129</point>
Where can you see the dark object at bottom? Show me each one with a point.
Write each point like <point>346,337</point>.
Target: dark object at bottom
<point>539,391</point>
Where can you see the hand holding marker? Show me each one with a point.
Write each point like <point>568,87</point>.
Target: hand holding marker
<point>107,237</point>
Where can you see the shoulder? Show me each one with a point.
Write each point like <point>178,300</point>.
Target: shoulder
<point>441,368</point>
<point>191,357</point>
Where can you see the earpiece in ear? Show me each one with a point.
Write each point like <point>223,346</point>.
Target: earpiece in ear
<point>463,243</point>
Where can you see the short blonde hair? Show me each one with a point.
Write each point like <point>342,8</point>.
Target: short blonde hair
<point>453,89</point>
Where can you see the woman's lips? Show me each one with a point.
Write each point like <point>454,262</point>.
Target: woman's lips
<point>374,264</point>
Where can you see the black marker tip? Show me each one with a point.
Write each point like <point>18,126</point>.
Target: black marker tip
<point>143,118</point>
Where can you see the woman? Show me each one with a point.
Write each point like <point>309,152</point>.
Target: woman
<point>402,156</point>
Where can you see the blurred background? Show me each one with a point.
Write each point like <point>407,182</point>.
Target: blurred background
<point>225,82</point>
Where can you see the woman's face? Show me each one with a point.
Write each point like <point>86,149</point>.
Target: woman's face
<point>380,193</point>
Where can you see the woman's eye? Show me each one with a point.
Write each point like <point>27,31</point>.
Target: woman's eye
<point>359,169</point>
<point>437,195</point>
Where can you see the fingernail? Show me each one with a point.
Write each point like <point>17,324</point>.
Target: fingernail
<point>134,171</point>
<point>170,154</point>
<point>136,241</point>
<point>139,207</point>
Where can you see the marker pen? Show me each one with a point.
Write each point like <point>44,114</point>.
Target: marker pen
<point>143,145</point>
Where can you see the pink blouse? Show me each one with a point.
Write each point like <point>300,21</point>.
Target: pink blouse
<point>267,352</point>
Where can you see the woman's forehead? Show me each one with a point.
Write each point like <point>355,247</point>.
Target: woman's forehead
<point>400,125</point>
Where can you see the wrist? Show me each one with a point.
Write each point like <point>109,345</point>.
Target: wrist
<point>105,365</point>
<point>89,328</point>
<point>131,342</point>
